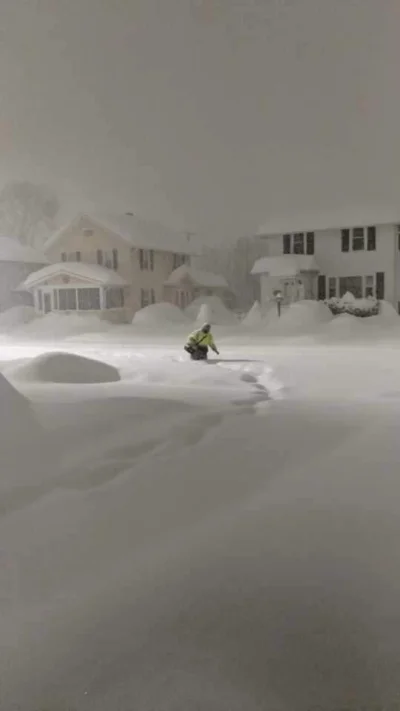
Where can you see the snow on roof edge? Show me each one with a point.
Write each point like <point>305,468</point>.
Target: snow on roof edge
<point>82,270</point>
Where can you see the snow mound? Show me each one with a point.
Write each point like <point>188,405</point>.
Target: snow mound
<point>218,313</point>
<point>16,316</point>
<point>301,317</point>
<point>157,314</point>
<point>388,314</point>
<point>59,325</point>
<point>254,318</point>
<point>205,314</point>
<point>18,422</point>
<point>348,327</point>
<point>66,368</point>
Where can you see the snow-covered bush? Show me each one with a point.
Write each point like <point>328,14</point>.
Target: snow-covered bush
<point>348,304</point>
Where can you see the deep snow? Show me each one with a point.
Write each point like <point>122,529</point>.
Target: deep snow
<point>221,536</point>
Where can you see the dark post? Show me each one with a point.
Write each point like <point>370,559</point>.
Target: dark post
<point>278,299</point>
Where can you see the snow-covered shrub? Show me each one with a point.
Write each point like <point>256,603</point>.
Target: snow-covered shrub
<point>348,304</point>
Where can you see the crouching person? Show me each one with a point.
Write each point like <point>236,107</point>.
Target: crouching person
<point>199,342</point>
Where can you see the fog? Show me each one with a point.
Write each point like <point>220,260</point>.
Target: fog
<point>216,116</point>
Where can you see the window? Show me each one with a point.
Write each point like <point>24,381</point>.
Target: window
<point>88,232</point>
<point>358,239</point>
<point>398,237</point>
<point>115,298</point>
<point>78,256</point>
<point>55,299</point>
<point>321,287</point>
<point>371,239</point>
<point>332,287</point>
<point>286,243</point>
<point>89,299</point>
<point>40,299</point>
<point>63,256</point>
<point>353,284</point>
<point>345,240</point>
<point>115,259</point>
<point>99,256</point>
<point>380,285</point>
<point>146,259</point>
<point>369,286</point>
<point>144,298</point>
<point>67,299</point>
<point>153,296</point>
<point>298,243</point>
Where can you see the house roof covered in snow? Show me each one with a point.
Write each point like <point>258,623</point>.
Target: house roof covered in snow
<point>286,265</point>
<point>197,276</point>
<point>134,230</point>
<point>11,250</point>
<point>78,270</point>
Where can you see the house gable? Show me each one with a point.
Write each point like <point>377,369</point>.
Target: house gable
<point>81,234</point>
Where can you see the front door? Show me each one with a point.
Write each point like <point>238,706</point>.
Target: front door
<point>47,302</point>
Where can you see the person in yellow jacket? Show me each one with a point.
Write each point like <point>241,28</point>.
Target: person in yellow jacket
<point>199,342</point>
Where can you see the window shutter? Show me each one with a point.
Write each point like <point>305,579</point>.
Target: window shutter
<point>286,244</point>
<point>371,239</point>
<point>345,240</point>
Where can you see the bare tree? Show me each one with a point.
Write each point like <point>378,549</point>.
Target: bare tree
<point>28,212</point>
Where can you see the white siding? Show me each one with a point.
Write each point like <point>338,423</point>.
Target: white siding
<point>332,262</point>
<point>335,263</point>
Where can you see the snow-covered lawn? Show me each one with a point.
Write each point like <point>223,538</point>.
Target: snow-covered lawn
<point>221,536</point>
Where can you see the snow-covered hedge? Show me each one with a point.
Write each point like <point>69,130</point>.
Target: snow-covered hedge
<point>348,304</point>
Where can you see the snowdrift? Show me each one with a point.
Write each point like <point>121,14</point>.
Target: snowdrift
<point>388,315</point>
<point>254,318</point>
<point>158,315</point>
<point>16,316</point>
<point>59,325</point>
<point>18,423</point>
<point>66,368</point>
<point>215,309</point>
<point>302,317</point>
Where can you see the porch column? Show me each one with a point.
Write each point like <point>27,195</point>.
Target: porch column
<point>102,290</point>
<point>36,300</point>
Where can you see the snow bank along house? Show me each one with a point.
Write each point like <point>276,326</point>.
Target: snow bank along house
<point>327,263</point>
<point>17,261</point>
<point>112,266</point>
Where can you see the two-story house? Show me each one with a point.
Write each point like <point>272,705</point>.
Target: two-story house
<point>109,265</point>
<point>364,260</point>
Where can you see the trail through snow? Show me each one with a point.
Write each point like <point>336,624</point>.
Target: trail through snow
<point>219,535</point>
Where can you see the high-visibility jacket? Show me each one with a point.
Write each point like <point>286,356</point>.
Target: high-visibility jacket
<point>199,338</point>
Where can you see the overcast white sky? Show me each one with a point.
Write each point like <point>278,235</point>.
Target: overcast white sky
<point>215,116</point>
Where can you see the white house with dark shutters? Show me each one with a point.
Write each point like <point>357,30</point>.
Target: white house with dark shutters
<point>364,260</point>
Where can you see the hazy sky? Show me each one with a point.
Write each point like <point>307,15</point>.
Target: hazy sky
<point>215,116</point>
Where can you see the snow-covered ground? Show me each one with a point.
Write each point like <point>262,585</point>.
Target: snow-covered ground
<point>220,536</point>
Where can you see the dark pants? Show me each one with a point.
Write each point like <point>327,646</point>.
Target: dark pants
<point>197,352</point>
